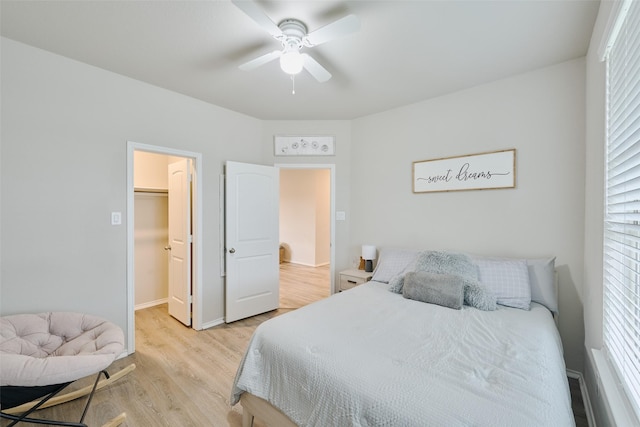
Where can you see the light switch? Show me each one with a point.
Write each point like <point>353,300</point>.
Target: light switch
<point>116,218</point>
<point>341,215</point>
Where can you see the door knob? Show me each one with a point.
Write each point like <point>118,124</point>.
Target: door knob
<point>232,251</point>
<point>167,248</point>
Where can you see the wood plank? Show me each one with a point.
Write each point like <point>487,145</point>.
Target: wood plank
<point>301,285</point>
<point>577,403</point>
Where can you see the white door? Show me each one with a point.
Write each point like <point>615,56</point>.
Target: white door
<point>252,240</point>
<point>180,241</point>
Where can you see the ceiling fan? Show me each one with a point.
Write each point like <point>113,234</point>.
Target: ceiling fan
<point>293,35</point>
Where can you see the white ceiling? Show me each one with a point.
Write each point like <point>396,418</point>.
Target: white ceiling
<point>405,51</point>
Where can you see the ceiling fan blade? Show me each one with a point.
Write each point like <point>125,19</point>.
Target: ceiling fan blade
<point>315,69</point>
<point>254,12</point>
<point>261,60</point>
<point>343,26</point>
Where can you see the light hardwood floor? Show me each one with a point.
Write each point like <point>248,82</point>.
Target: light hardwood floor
<point>301,285</point>
<point>183,377</point>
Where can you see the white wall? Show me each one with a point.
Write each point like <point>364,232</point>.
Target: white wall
<point>151,235</point>
<point>297,216</point>
<point>151,229</point>
<point>342,159</point>
<point>150,171</point>
<point>65,127</point>
<point>305,216</point>
<point>541,115</point>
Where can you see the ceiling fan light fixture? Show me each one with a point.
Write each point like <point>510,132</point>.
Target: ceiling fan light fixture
<point>291,62</point>
<point>293,34</point>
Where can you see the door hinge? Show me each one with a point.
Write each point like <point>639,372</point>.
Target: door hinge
<point>190,299</point>
<point>190,238</point>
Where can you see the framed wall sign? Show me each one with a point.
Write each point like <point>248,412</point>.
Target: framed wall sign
<point>285,145</point>
<point>481,171</point>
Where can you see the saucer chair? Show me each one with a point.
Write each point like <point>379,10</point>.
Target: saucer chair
<point>41,354</point>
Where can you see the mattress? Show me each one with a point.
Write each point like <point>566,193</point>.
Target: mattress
<point>369,357</point>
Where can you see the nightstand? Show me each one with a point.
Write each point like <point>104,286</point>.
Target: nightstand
<point>351,278</point>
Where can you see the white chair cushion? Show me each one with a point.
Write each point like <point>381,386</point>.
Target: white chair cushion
<point>56,347</point>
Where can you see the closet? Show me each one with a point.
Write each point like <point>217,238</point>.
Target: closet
<point>151,234</point>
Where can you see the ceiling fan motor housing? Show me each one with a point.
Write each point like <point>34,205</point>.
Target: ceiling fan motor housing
<point>293,33</point>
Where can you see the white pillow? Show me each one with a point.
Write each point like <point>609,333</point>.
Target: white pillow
<point>392,262</point>
<point>542,279</point>
<point>507,279</point>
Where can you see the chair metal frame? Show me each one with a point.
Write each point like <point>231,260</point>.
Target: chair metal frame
<point>22,412</point>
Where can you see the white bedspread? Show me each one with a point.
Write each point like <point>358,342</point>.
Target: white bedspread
<point>368,357</point>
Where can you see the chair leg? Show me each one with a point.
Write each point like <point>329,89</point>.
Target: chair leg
<point>93,390</point>
<point>25,416</point>
<point>49,400</point>
<point>33,407</point>
<point>74,394</point>
<point>24,419</point>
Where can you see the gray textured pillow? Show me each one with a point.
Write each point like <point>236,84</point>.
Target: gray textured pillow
<point>475,295</point>
<point>450,263</point>
<point>447,263</point>
<point>446,290</point>
<point>396,283</point>
<point>438,262</point>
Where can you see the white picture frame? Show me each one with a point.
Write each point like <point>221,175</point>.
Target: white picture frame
<point>482,171</point>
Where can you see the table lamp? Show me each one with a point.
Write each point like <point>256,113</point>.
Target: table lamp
<point>368,255</point>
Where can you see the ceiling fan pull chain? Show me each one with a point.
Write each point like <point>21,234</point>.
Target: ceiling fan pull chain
<point>293,85</point>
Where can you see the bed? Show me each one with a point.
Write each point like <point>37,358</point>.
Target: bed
<point>373,357</point>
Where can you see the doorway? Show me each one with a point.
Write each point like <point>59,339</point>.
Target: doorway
<point>169,155</point>
<point>151,233</point>
<point>307,229</point>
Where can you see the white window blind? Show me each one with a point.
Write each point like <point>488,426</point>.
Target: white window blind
<point>621,315</point>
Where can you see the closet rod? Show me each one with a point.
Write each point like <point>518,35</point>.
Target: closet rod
<point>150,190</point>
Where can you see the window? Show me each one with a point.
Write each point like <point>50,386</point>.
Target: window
<point>621,314</point>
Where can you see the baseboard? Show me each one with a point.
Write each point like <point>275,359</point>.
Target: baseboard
<point>305,264</point>
<point>213,323</point>
<point>585,395</point>
<point>151,304</point>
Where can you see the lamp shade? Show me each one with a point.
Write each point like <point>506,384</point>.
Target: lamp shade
<point>368,252</point>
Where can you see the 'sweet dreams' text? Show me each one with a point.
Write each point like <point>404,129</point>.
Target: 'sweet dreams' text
<point>463,175</point>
